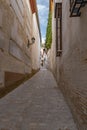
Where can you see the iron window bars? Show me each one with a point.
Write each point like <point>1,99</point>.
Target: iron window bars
<point>58,16</point>
<point>75,7</point>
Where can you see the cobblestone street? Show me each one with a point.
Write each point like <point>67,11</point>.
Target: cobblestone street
<point>36,105</point>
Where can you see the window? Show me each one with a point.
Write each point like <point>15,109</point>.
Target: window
<point>58,16</point>
<point>75,7</point>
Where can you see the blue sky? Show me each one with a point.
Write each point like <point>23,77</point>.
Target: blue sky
<point>43,8</point>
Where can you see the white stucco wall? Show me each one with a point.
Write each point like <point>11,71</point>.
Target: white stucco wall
<point>16,28</point>
<point>36,46</point>
<point>71,66</point>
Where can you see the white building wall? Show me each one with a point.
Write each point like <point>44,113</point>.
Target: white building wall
<point>16,28</point>
<point>71,66</point>
<point>36,46</point>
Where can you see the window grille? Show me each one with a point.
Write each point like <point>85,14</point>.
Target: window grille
<point>58,16</point>
<point>75,7</point>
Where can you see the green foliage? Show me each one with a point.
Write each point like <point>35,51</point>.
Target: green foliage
<point>49,32</point>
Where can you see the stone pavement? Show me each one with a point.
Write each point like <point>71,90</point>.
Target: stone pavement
<point>36,105</point>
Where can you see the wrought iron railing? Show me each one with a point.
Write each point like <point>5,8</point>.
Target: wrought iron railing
<point>75,6</point>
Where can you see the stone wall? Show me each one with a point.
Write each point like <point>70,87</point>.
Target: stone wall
<point>16,20</point>
<point>36,54</point>
<point>72,65</point>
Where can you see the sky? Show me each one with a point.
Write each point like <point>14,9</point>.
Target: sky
<point>43,9</point>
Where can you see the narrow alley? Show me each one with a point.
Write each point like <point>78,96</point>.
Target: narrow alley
<point>43,64</point>
<point>36,105</point>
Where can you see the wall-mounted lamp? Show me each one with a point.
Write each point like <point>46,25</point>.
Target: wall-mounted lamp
<point>32,42</point>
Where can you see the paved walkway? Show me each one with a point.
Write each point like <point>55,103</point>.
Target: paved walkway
<point>36,105</point>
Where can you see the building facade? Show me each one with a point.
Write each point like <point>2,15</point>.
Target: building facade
<point>18,24</point>
<point>68,55</point>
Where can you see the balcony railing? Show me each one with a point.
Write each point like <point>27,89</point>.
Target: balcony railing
<point>75,7</point>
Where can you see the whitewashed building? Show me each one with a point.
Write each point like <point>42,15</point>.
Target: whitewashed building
<point>19,23</point>
<point>68,54</point>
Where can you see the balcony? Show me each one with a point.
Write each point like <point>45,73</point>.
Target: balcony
<point>75,7</point>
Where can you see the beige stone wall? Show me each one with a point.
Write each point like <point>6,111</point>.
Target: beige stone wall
<point>72,65</point>
<point>73,69</point>
<point>16,26</point>
<point>36,54</point>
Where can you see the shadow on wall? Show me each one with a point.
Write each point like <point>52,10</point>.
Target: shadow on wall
<point>13,80</point>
